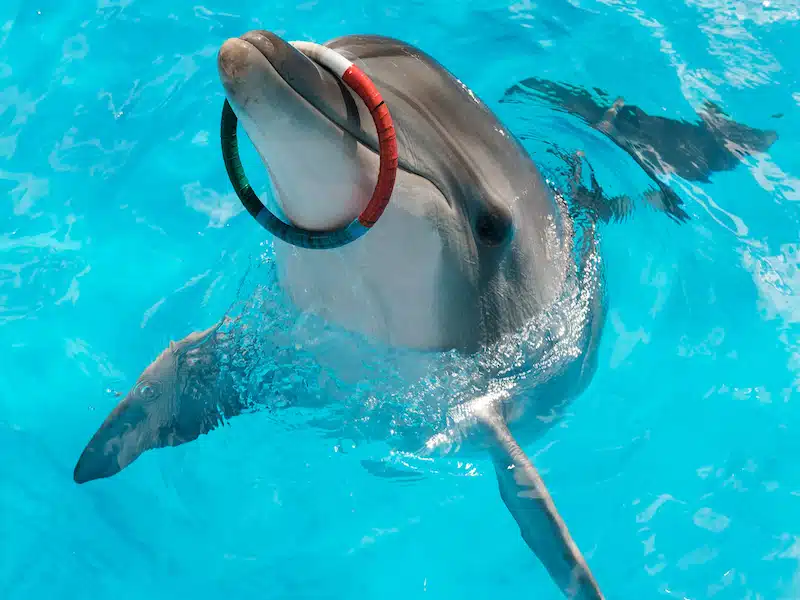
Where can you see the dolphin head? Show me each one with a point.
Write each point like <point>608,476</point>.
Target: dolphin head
<point>175,400</point>
<point>318,142</point>
<point>470,214</point>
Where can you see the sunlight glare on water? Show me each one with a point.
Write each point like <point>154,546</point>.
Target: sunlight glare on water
<point>675,470</point>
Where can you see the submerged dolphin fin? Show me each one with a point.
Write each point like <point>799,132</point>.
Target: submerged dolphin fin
<point>531,505</point>
<point>182,395</point>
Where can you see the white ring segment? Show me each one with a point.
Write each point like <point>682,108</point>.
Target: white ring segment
<point>325,56</point>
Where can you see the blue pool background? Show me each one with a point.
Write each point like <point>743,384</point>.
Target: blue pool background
<point>676,470</point>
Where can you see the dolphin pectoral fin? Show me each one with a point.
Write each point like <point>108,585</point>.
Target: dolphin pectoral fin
<point>594,199</point>
<point>182,395</point>
<point>131,430</point>
<point>123,436</point>
<point>532,507</point>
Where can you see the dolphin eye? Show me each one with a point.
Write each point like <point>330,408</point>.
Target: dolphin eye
<point>493,229</point>
<point>147,390</point>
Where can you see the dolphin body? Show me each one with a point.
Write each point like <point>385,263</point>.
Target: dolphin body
<point>473,247</point>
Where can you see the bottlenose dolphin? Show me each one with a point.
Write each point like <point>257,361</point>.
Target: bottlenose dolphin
<point>473,248</point>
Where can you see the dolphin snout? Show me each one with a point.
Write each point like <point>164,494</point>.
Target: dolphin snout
<point>253,69</point>
<point>234,60</point>
<point>259,56</point>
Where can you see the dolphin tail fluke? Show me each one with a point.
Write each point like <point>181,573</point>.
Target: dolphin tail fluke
<point>531,505</point>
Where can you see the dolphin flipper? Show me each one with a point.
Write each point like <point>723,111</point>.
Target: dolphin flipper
<point>183,394</point>
<point>531,505</point>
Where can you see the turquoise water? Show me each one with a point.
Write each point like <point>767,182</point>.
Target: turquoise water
<point>675,470</point>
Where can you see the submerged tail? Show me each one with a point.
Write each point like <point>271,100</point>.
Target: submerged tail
<point>531,505</point>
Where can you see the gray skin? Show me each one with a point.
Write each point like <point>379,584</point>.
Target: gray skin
<point>499,248</point>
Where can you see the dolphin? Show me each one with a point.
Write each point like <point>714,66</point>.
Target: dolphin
<point>474,247</point>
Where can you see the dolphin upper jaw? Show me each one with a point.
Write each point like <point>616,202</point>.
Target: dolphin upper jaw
<point>233,63</point>
<point>246,60</point>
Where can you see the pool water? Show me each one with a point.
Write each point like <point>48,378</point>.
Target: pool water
<point>675,470</point>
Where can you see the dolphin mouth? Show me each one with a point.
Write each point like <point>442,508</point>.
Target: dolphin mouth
<point>317,86</point>
<point>309,81</point>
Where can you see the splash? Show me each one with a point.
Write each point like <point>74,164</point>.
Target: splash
<point>305,372</point>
